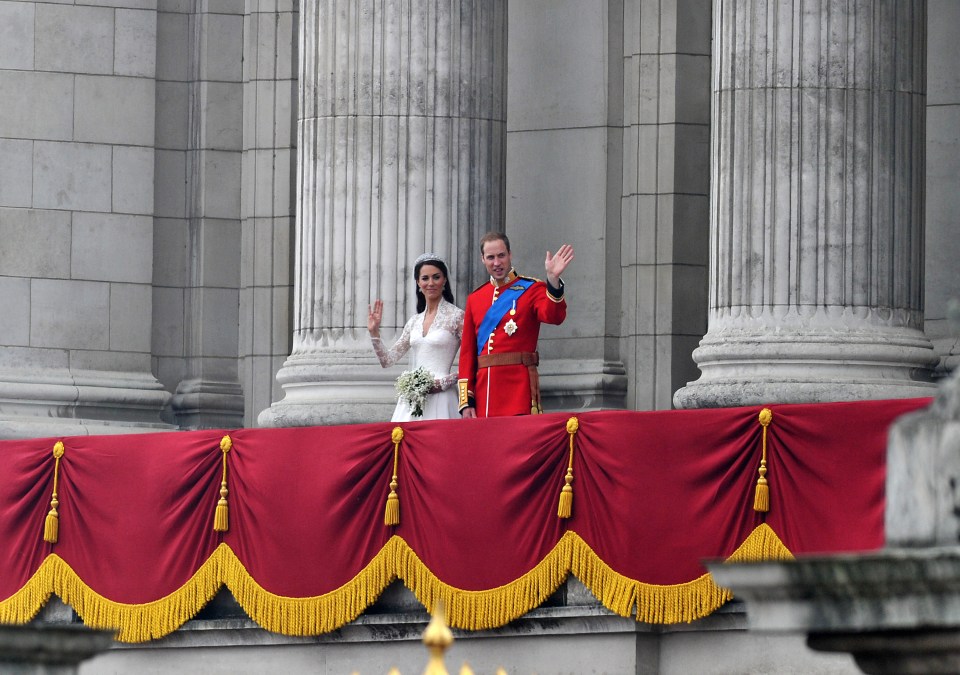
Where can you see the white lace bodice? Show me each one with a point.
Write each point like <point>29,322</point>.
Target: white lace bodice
<point>435,350</point>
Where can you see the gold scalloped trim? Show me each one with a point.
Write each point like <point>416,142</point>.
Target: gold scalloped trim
<point>135,622</point>
<point>471,610</point>
<point>312,615</point>
<point>479,610</point>
<point>674,603</point>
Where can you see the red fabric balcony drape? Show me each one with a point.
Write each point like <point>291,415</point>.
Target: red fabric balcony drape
<point>307,550</point>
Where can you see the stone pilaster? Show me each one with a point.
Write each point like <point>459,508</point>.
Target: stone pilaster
<point>209,395</point>
<point>941,292</point>
<point>817,204</point>
<point>268,200</point>
<point>401,137</point>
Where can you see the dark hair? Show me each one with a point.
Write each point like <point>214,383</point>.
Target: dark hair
<point>494,236</point>
<point>447,292</point>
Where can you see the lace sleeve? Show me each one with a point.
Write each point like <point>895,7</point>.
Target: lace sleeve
<point>451,321</point>
<point>390,356</point>
<point>447,381</point>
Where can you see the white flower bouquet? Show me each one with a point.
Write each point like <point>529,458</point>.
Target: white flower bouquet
<point>413,387</point>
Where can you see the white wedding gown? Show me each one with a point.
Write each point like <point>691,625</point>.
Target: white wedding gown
<point>434,351</point>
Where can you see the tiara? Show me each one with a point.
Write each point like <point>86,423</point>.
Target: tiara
<point>429,256</point>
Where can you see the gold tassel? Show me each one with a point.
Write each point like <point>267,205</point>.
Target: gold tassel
<point>221,517</point>
<point>761,497</point>
<point>565,508</point>
<point>51,527</point>
<point>391,515</point>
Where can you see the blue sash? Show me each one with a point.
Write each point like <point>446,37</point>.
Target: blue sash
<point>498,309</point>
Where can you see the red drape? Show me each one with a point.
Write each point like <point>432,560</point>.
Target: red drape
<point>655,493</point>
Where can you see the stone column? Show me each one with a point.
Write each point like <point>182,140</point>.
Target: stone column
<point>401,136</point>
<point>817,205</point>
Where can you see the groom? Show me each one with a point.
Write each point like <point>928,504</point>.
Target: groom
<point>501,324</point>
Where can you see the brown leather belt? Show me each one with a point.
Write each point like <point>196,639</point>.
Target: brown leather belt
<point>528,359</point>
<point>508,359</point>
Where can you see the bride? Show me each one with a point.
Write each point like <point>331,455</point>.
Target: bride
<point>432,336</point>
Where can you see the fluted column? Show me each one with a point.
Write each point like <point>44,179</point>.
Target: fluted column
<point>401,137</point>
<point>816,283</point>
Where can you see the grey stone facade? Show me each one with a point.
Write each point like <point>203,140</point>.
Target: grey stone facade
<point>149,195</point>
<point>152,276</point>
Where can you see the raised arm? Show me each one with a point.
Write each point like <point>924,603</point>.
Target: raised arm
<point>556,264</point>
<point>387,357</point>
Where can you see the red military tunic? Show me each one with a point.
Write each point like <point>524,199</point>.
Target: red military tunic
<point>504,389</point>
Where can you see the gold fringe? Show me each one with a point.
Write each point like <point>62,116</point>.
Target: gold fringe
<point>391,514</point>
<point>471,610</point>
<point>51,526</point>
<point>762,544</point>
<point>221,517</point>
<point>675,603</point>
<point>135,622</point>
<point>312,615</point>
<point>761,496</point>
<point>565,507</point>
<point>479,610</point>
<point>23,605</point>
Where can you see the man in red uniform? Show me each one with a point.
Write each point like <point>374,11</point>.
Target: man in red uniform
<point>501,324</point>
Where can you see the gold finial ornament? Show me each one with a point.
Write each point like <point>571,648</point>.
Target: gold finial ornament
<point>438,638</point>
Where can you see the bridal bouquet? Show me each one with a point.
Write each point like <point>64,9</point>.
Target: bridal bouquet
<point>413,387</point>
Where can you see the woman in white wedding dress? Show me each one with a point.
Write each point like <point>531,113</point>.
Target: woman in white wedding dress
<point>432,336</point>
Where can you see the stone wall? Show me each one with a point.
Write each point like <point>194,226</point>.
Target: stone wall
<point>77,199</point>
<point>147,196</point>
